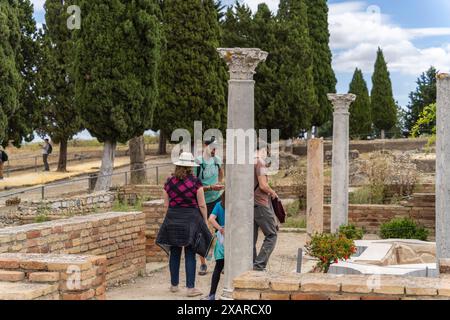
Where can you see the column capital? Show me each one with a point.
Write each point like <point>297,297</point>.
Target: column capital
<point>242,62</point>
<point>341,102</point>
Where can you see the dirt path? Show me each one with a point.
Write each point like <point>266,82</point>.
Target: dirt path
<point>155,285</point>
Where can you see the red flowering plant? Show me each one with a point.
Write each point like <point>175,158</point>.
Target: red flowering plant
<point>329,249</point>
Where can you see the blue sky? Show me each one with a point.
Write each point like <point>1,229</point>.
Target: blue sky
<point>414,35</point>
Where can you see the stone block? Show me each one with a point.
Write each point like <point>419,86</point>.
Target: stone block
<point>11,276</point>
<point>44,276</point>
<point>246,295</point>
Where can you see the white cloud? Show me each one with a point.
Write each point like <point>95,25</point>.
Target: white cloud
<point>357,32</point>
<point>358,29</point>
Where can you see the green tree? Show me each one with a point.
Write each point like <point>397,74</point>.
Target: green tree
<point>192,73</point>
<point>116,66</point>
<point>237,26</point>
<point>22,123</point>
<point>296,101</point>
<point>360,115</point>
<point>61,117</point>
<point>424,95</point>
<point>324,77</point>
<point>263,33</point>
<point>384,109</point>
<point>10,78</point>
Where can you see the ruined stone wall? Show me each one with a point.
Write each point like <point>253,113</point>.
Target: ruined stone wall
<point>371,146</point>
<point>28,276</point>
<point>118,236</point>
<point>154,217</point>
<point>313,286</point>
<point>370,217</point>
<point>61,208</point>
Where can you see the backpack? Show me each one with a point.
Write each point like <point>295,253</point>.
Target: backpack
<point>50,149</point>
<point>4,156</point>
<point>202,168</point>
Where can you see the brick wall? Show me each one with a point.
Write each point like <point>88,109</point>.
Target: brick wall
<point>371,146</point>
<point>370,217</point>
<point>118,236</point>
<point>28,276</point>
<point>131,193</point>
<point>62,208</point>
<point>312,286</point>
<point>154,217</point>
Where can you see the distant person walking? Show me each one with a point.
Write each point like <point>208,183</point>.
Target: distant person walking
<point>211,174</point>
<point>265,218</point>
<point>46,151</point>
<point>185,225</point>
<point>3,159</point>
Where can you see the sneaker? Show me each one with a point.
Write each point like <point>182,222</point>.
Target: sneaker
<point>203,270</point>
<point>211,297</point>
<point>174,289</point>
<point>194,292</point>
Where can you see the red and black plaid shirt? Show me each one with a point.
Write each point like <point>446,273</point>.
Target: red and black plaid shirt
<point>183,193</point>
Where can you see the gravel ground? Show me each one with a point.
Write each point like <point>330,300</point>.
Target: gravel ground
<point>155,286</point>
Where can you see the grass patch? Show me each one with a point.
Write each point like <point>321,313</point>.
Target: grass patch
<point>295,222</point>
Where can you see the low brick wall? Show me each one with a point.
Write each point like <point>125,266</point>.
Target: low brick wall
<point>118,236</point>
<point>370,217</point>
<point>62,208</point>
<point>131,193</point>
<point>261,286</point>
<point>154,217</point>
<point>28,276</point>
<point>300,149</point>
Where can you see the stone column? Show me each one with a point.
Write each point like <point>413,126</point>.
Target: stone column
<point>443,167</point>
<point>314,184</point>
<point>340,164</point>
<point>242,64</point>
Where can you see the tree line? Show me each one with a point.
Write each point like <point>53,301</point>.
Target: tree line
<point>152,64</point>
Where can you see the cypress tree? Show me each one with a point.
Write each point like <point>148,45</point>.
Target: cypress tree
<point>424,95</point>
<point>10,79</point>
<point>25,119</point>
<point>61,117</point>
<point>296,101</point>
<point>117,57</point>
<point>263,34</point>
<point>384,110</point>
<point>192,73</point>
<point>324,77</point>
<point>237,27</point>
<point>360,115</point>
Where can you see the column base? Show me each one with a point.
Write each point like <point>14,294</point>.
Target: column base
<point>227,295</point>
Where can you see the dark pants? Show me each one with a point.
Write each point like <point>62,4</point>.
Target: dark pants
<point>1,169</point>
<point>45,159</point>
<point>216,276</point>
<point>190,265</point>
<point>264,219</point>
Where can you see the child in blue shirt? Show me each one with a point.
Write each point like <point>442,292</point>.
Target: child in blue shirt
<point>217,220</point>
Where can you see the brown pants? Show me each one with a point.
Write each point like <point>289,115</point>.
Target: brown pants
<point>1,169</point>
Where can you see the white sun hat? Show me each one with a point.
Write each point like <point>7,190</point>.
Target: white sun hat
<point>186,159</point>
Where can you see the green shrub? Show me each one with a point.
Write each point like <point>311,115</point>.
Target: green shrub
<point>329,249</point>
<point>351,232</point>
<point>40,218</point>
<point>293,209</point>
<point>372,194</point>
<point>403,228</point>
<point>295,222</point>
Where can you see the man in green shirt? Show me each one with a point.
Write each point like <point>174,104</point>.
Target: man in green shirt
<point>210,172</point>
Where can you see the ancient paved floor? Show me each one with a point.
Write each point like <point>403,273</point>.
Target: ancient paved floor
<point>155,285</point>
